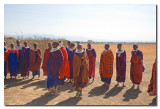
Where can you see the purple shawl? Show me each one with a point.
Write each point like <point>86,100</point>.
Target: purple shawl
<point>70,59</point>
<point>55,63</point>
<point>24,61</point>
<point>121,66</point>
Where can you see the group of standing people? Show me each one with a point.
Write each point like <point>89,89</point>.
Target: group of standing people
<point>19,60</point>
<point>76,64</point>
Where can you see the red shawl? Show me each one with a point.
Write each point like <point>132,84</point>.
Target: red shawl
<point>45,60</point>
<point>136,69</point>
<point>15,50</point>
<point>64,72</point>
<point>35,66</point>
<point>106,64</point>
<point>152,85</point>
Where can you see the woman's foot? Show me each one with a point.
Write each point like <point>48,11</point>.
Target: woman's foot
<point>138,86</point>
<point>80,94</point>
<point>51,90</point>
<point>69,82</point>
<point>133,86</point>
<point>77,94</point>
<point>32,77</point>
<point>93,79</point>
<point>150,93</point>
<point>117,84</point>
<point>124,85</point>
<point>56,90</point>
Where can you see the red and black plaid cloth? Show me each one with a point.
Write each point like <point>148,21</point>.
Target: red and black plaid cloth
<point>106,64</point>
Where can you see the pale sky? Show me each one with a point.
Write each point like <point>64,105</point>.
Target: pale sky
<point>83,22</point>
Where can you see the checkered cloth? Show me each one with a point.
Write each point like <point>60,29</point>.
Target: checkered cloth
<point>106,64</point>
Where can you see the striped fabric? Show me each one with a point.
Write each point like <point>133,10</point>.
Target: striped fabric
<point>106,64</point>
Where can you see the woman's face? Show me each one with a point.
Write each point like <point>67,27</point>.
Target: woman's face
<point>119,47</point>
<point>18,42</point>
<point>35,46</point>
<point>135,47</point>
<point>79,47</point>
<point>89,46</point>
<point>12,45</point>
<point>49,45</point>
<point>25,44</point>
<point>54,45</point>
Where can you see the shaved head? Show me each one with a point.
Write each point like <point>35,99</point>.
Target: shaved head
<point>106,46</point>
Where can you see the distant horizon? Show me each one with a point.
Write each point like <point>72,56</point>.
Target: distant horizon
<point>54,37</point>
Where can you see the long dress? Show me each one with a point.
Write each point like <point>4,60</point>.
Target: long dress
<point>45,60</point>
<point>152,85</point>
<point>54,66</point>
<point>121,66</point>
<point>64,72</point>
<point>137,67</point>
<point>70,59</point>
<point>35,61</point>
<point>13,61</point>
<point>106,66</point>
<point>92,59</point>
<point>80,70</point>
<point>24,61</point>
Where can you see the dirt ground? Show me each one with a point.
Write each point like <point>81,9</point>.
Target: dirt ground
<point>34,92</point>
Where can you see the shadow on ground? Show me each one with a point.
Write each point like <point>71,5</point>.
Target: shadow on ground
<point>15,82</point>
<point>131,94</point>
<point>43,84</point>
<point>154,102</point>
<point>70,101</point>
<point>97,91</point>
<point>38,84</point>
<point>43,99</point>
<point>113,92</point>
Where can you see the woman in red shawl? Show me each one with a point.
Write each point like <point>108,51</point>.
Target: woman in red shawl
<point>106,65</point>
<point>80,69</point>
<point>92,60</point>
<point>35,60</point>
<point>152,86</point>
<point>136,66</point>
<point>45,60</point>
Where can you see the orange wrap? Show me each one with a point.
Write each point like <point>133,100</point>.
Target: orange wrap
<point>76,68</point>
<point>64,72</point>
<point>45,60</point>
